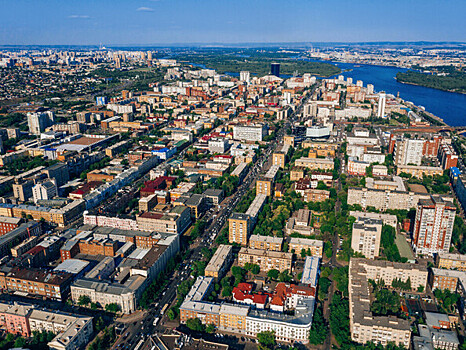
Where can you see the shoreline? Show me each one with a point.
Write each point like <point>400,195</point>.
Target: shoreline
<point>429,87</point>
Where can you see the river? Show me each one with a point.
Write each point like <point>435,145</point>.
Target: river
<point>449,106</point>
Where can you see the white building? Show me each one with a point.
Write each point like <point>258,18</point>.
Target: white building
<point>249,133</point>
<point>44,191</point>
<point>381,106</point>
<point>244,76</point>
<point>366,235</point>
<point>408,152</point>
<point>37,122</point>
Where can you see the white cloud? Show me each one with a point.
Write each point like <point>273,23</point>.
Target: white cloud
<point>79,16</point>
<point>145,9</point>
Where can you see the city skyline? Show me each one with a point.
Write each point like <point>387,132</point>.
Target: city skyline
<point>164,22</point>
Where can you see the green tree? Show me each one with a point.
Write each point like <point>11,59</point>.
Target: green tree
<point>195,324</point>
<point>171,314</point>
<point>266,340</point>
<point>112,307</point>
<point>84,300</point>
<point>20,342</point>
<point>273,274</point>
<point>319,329</point>
<point>339,319</point>
<point>210,328</point>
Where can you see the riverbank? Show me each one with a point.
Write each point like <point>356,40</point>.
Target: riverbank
<point>411,83</point>
<point>451,80</point>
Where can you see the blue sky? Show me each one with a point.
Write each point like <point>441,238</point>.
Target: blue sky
<point>113,22</point>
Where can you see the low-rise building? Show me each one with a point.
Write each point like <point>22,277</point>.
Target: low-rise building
<point>366,327</point>
<point>451,261</point>
<point>267,260</point>
<point>315,163</point>
<point>220,261</point>
<point>313,247</point>
<point>266,242</point>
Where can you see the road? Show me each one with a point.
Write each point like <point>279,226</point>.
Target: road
<point>216,219</point>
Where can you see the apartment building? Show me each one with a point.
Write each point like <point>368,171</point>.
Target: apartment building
<point>408,152</point>
<point>320,149</point>
<point>296,174</point>
<point>93,246</point>
<point>278,159</point>
<point>239,227</point>
<point>174,221</point>
<point>37,282</point>
<point>266,242</point>
<point>433,225</point>
<point>249,133</point>
<point>419,171</point>
<point>365,237</point>
<point>384,199</point>
<point>315,195</point>
<point>73,331</point>
<point>387,219</point>
<point>267,260</point>
<point>315,163</point>
<point>451,261</point>
<point>220,262</point>
<point>357,167</point>
<point>264,185</point>
<point>289,140</point>
<point>8,224</point>
<point>447,279</point>
<point>365,327</point>
<point>314,246</point>
<point>193,305</point>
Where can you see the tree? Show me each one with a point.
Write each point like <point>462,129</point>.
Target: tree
<point>420,289</point>
<point>20,342</point>
<point>84,300</point>
<point>195,324</point>
<point>339,319</point>
<point>284,276</point>
<point>319,329</point>
<point>266,340</point>
<point>171,314</point>
<point>273,274</point>
<point>99,324</point>
<point>210,328</point>
<point>255,269</point>
<point>227,291</point>
<point>112,307</point>
<point>386,303</point>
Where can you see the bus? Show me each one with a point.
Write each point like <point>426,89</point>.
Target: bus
<point>164,309</point>
<point>156,320</point>
<point>139,344</point>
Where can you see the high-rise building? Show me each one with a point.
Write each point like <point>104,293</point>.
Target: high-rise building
<point>37,122</point>
<point>370,89</point>
<point>433,225</point>
<point>365,238</point>
<point>239,226</point>
<point>275,69</point>
<point>244,76</point>
<point>381,107</point>
<point>408,151</point>
<point>44,191</point>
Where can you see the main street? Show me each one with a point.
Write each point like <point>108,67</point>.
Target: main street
<point>216,219</point>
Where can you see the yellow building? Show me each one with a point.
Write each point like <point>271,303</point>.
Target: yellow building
<point>451,261</point>
<point>239,226</point>
<point>296,174</point>
<point>264,186</point>
<point>267,260</point>
<point>315,246</point>
<point>278,159</point>
<point>288,140</point>
<point>233,317</point>
<point>266,242</point>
